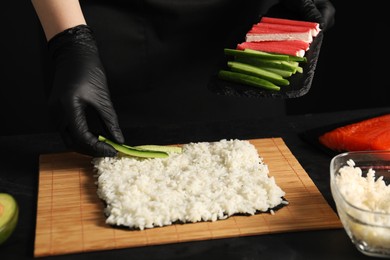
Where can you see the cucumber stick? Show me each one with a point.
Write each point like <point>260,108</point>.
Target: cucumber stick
<point>283,73</point>
<point>267,63</point>
<point>161,148</point>
<point>247,80</point>
<point>256,54</point>
<point>259,72</point>
<point>292,64</point>
<point>296,66</point>
<point>290,57</point>
<point>260,69</point>
<point>133,151</point>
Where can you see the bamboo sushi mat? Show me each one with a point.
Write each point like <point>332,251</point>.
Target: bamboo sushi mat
<point>70,216</point>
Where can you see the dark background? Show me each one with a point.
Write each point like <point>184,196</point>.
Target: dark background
<point>351,73</point>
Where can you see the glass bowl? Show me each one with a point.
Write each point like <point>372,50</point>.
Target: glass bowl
<point>360,188</point>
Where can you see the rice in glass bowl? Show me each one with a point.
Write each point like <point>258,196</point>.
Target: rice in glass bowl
<point>360,188</point>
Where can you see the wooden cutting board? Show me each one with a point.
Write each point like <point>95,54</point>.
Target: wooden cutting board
<point>70,216</point>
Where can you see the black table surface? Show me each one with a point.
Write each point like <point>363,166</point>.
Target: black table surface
<point>19,177</point>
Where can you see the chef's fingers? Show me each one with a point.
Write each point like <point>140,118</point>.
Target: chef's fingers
<point>309,10</point>
<point>103,106</point>
<point>327,11</point>
<point>81,137</point>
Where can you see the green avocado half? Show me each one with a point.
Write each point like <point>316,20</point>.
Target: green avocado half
<point>9,213</point>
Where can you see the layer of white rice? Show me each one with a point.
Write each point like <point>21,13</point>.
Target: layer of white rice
<point>206,182</point>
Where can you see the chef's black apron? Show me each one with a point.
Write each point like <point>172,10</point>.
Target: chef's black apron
<point>159,54</point>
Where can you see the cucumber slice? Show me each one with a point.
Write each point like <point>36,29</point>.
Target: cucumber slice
<point>294,63</point>
<point>259,72</point>
<point>9,214</point>
<point>133,151</point>
<point>161,148</point>
<point>283,73</point>
<point>294,66</point>
<point>247,80</point>
<point>255,54</point>
<point>277,64</point>
<point>290,57</point>
<point>297,58</point>
<point>299,69</point>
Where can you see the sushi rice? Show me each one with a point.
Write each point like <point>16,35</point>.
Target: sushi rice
<point>366,208</point>
<point>208,181</point>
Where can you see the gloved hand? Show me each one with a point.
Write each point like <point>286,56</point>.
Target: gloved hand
<point>79,84</point>
<point>320,11</point>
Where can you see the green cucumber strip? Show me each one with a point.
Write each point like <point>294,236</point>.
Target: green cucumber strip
<point>255,54</point>
<point>283,73</point>
<point>132,151</point>
<point>299,69</point>
<point>247,80</point>
<point>268,55</point>
<point>297,58</point>
<point>290,57</point>
<point>259,72</point>
<point>294,63</point>
<point>266,63</point>
<point>294,68</point>
<point>160,148</point>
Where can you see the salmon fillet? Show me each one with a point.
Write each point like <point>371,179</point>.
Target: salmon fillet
<point>365,135</point>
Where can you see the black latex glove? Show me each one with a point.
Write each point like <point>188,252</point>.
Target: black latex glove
<point>79,84</point>
<point>320,11</point>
